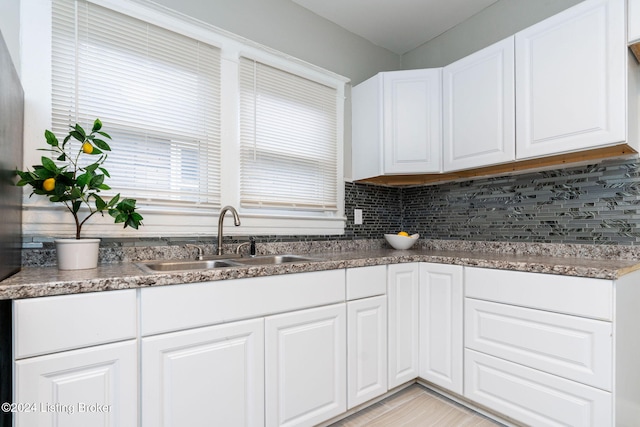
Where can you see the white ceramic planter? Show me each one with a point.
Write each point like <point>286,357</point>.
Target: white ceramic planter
<point>77,254</point>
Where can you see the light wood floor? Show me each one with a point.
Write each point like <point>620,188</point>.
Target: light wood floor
<point>416,406</point>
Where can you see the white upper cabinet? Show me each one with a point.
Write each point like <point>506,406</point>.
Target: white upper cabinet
<point>633,21</point>
<point>396,124</point>
<point>571,79</point>
<point>478,108</point>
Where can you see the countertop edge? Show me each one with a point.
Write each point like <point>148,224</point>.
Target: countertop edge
<point>33,282</point>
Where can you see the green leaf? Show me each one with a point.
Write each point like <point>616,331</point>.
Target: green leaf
<point>104,171</point>
<point>106,135</point>
<point>114,200</point>
<point>96,181</point>
<point>92,167</point>
<point>97,125</point>
<point>51,138</point>
<point>77,135</point>
<point>83,180</point>
<point>101,144</point>
<point>49,164</point>
<point>62,158</point>
<point>75,194</point>
<point>80,130</point>
<point>42,173</point>
<point>76,206</point>
<point>100,203</point>
<point>127,204</point>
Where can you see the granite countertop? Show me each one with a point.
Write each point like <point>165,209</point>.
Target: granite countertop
<point>44,281</point>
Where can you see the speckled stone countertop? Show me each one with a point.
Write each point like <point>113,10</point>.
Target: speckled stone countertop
<point>43,281</point>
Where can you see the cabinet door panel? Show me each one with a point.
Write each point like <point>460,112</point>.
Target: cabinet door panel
<point>305,359</point>
<point>403,302</point>
<point>533,397</point>
<point>571,347</point>
<point>441,343</point>
<point>96,387</point>
<point>50,324</point>
<point>203,377</point>
<point>478,108</point>
<point>366,350</point>
<point>412,121</point>
<point>633,21</point>
<point>571,80</point>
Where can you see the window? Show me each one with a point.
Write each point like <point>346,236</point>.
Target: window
<point>157,93</point>
<point>288,141</point>
<point>200,119</point>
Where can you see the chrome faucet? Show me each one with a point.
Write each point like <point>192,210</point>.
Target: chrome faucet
<point>236,221</point>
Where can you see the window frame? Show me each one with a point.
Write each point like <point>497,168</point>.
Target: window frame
<point>42,218</point>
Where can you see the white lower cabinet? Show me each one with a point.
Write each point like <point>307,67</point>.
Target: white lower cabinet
<point>549,350</point>
<point>202,375</point>
<point>305,356</point>
<point>441,325</point>
<point>95,386</point>
<point>403,282</point>
<point>366,349</point>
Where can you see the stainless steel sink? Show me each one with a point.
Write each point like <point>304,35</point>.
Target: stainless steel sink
<point>184,265</point>
<point>273,259</point>
<point>156,266</point>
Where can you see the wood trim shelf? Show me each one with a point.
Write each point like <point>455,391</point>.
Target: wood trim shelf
<point>532,165</point>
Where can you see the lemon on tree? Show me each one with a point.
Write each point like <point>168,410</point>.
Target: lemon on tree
<point>49,184</point>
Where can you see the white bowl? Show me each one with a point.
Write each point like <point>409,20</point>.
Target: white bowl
<point>401,242</point>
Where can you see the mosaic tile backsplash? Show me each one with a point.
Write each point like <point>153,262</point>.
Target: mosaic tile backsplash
<point>591,204</point>
<point>594,204</point>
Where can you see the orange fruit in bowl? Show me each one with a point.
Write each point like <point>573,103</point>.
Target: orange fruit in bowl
<point>403,233</point>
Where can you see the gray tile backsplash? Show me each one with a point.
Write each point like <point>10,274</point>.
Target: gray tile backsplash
<point>588,204</point>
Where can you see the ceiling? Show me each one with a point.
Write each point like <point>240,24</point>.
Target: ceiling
<point>397,25</point>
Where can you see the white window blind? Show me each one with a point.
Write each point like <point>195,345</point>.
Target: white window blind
<point>288,141</point>
<point>157,93</point>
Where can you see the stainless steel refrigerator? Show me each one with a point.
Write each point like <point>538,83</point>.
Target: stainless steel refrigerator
<point>11,122</point>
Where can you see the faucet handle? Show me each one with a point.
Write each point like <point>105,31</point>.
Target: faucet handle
<point>200,256</point>
<point>252,247</point>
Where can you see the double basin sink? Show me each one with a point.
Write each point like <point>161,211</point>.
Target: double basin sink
<point>184,265</point>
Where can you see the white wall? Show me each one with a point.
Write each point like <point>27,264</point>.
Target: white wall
<point>498,21</point>
<point>10,29</point>
<point>285,26</point>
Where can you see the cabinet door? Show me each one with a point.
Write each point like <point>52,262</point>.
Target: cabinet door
<point>206,376</point>
<point>366,349</point>
<point>571,80</point>
<point>441,325</point>
<point>305,365</point>
<point>572,347</point>
<point>533,397</point>
<point>478,108</point>
<point>403,303</point>
<point>95,386</point>
<point>412,121</point>
<point>633,21</point>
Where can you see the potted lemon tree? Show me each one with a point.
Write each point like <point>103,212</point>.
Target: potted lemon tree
<point>74,179</point>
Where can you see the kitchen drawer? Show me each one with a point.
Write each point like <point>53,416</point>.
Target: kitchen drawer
<point>363,282</point>
<point>563,294</point>
<point>532,397</point>
<point>57,323</point>
<point>572,347</point>
<point>177,307</point>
